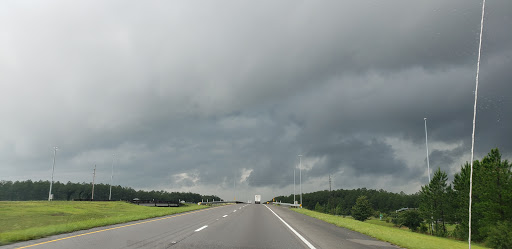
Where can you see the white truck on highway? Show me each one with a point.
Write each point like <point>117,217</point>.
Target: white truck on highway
<point>257,199</point>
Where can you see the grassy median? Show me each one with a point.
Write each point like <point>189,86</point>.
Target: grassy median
<point>399,237</point>
<point>26,220</point>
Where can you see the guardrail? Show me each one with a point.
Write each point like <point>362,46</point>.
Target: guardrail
<point>287,204</point>
<point>149,203</point>
<point>156,203</point>
<point>92,200</point>
<point>220,202</point>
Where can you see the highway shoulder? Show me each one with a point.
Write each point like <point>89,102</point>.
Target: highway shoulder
<point>325,235</point>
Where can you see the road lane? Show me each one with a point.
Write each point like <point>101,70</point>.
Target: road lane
<point>152,233</point>
<point>231,226</point>
<point>253,226</point>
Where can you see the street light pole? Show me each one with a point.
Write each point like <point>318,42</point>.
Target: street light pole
<point>474,120</point>
<point>93,178</point>
<point>294,183</point>
<point>53,170</point>
<point>300,178</point>
<point>426,143</point>
<point>428,166</point>
<point>111,178</point>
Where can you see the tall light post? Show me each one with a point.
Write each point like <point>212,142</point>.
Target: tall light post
<point>474,120</point>
<point>93,178</point>
<point>300,179</point>
<point>428,164</point>
<point>294,167</point>
<point>111,178</point>
<point>50,197</point>
<point>426,143</point>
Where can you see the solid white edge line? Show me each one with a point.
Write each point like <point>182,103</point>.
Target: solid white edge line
<point>201,228</point>
<point>293,230</point>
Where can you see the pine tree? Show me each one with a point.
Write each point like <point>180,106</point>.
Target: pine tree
<point>339,210</point>
<point>319,208</point>
<point>492,195</point>
<point>362,210</point>
<point>434,202</point>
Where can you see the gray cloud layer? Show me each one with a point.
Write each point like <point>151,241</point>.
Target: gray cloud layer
<point>188,95</point>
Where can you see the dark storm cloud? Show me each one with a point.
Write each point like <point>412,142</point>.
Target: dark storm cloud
<point>191,95</point>
<point>371,157</point>
<point>443,158</point>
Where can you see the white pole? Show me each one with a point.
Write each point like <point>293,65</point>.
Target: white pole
<point>428,166</point>
<point>294,183</point>
<point>53,170</point>
<point>426,143</point>
<point>93,177</point>
<point>474,119</point>
<point>111,178</point>
<point>300,178</point>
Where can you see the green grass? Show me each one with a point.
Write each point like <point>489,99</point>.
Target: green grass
<point>376,221</point>
<point>449,227</point>
<point>26,220</point>
<point>399,237</point>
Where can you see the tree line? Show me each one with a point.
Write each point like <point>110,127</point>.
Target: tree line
<point>38,190</point>
<point>442,203</point>
<point>341,201</point>
<point>438,205</point>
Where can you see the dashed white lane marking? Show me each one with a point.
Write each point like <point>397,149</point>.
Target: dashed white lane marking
<point>225,216</point>
<point>293,230</point>
<point>201,228</point>
<point>234,210</point>
<point>118,227</point>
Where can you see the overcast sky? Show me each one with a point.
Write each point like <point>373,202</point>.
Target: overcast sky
<point>202,95</point>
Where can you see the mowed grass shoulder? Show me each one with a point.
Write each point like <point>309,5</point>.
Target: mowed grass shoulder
<point>26,220</point>
<point>399,237</point>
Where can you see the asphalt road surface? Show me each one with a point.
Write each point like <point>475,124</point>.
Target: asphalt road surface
<point>231,226</point>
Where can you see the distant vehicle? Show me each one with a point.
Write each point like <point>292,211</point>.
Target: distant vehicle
<point>257,199</point>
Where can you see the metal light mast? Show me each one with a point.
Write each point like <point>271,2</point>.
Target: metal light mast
<point>50,197</point>
<point>93,178</point>
<point>300,178</point>
<point>111,178</point>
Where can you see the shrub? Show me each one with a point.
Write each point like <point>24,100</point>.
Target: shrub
<point>362,210</point>
<point>423,228</point>
<point>411,219</point>
<point>376,214</point>
<point>319,208</point>
<point>500,236</point>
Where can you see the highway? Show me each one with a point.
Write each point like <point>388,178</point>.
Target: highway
<point>230,226</point>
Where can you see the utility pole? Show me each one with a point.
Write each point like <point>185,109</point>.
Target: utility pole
<point>111,178</point>
<point>93,178</point>
<point>330,183</point>
<point>50,196</point>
